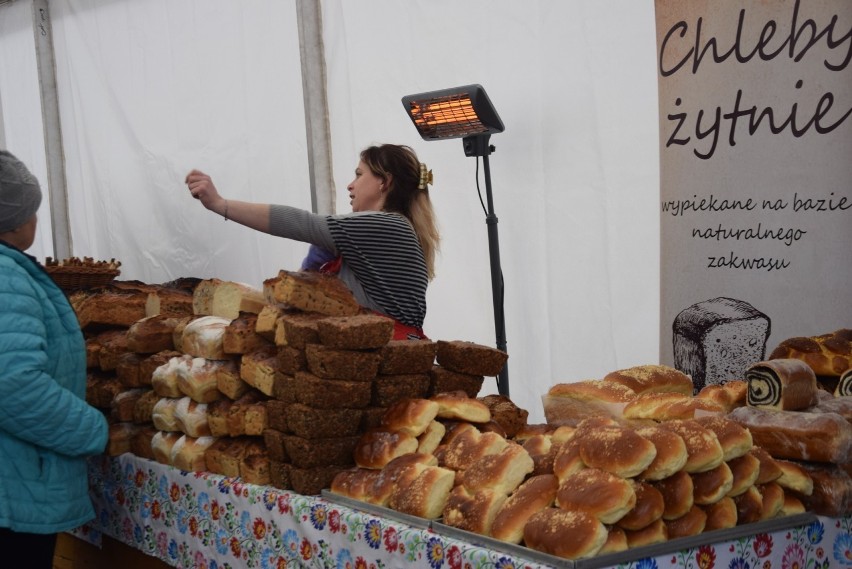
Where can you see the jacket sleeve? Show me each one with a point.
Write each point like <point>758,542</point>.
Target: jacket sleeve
<point>33,405</point>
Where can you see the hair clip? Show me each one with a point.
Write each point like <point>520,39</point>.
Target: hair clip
<point>425,177</point>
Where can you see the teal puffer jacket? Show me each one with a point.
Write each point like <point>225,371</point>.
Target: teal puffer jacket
<point>46,427</point>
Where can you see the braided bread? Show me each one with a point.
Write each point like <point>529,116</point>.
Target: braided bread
<point>827,354</point>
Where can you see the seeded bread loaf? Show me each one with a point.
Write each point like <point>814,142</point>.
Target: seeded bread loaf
<point>311,423</point>
<point>334,363</point>
<point>311,292</point>
<point>388,389</point>
<point>241,336</point>
<point>310,453</point>
<point>442,380</point>
<point>407,356</point>
<point>470,358</point>
<point>359,332</point>
<point>312,391</point>
<point>297,329</point>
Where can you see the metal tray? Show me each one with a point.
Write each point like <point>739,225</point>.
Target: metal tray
<point>624,557</point>
<point>380,511</point>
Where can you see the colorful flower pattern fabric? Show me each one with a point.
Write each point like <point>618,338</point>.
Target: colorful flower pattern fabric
<point>206,521</point>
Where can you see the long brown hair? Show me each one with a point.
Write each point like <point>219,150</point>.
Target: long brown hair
<point>399,167</point>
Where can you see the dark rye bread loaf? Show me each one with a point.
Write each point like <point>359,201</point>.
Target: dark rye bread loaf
<point>360,332</point>
<point>274,441</point>
<point>312,481</point>
<point>442,380</point>
<point>470,358</point>
<point>407,356</point>
<point>311,453</point>
<point>320,393</point>
<point>312,423</point>
<point>291,360</point>
<point>297,329</point>
<point>333,363</point>
<point>388,389</point>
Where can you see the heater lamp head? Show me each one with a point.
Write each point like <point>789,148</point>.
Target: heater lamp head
<point>453,113</point>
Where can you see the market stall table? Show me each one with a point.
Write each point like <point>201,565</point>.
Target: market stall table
<point>204,520</point>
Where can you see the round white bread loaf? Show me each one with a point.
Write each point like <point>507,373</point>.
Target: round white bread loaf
<point>566,534</point>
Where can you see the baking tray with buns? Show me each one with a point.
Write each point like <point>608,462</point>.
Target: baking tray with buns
<point>631,555</point>
<point>380,511</point>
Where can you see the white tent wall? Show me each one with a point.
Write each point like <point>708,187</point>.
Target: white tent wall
<point>151,89</point>
<point>20,105</point>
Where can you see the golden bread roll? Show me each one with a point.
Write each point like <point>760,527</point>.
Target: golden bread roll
<point>412,416</point>
<point>616,541</point>
<point>652,378</point>
<point>566,534</point>
<point>533,495</point>
<point>429,440</point>
<point>671,453</point>
<point>745,471</point>
<point>795,477</point>
<point>473,511</point>
<point>567,461</point>
<point>691,523</point>
<point>455,407</point>
<point>424,496</point>
<point>655,405</point>
<point>648,509</point>
<point>721,514</point>
<point>376,448</point>
<point>354,483</point>
<point>769,468</point>
<point>657,532</point>
<point>749,506</point>
<point>712,485</point>
<point>677,491</point>
<point>773,500</point>
<point>827,354</point>
<point>502,472</point>
<point>734,438</point>
<point>781,384</point>
<point>469,446</point>
<point>400,471</point>
<point>792,506</point>
<point>162,443</point>
<point>618,450</point>
<point>604,495</point>
<point>704,452</point>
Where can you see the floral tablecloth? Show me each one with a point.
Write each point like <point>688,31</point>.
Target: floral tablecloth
<point>207,521</point>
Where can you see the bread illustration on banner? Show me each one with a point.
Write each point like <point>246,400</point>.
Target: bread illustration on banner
<point>716,340</point>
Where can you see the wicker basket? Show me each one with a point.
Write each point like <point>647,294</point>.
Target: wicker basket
<point>78,278</point>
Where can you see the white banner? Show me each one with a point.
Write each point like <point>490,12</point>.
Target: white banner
<point>755,175</point>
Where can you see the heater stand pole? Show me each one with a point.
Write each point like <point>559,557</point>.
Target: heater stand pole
<point>496,276</point>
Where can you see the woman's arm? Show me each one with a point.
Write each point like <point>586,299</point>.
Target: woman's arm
<point>252,215</point>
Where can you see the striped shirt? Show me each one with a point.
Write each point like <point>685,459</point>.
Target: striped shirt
<point>382,261</point>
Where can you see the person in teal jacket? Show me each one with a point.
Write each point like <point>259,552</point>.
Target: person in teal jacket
<point>46,427</point>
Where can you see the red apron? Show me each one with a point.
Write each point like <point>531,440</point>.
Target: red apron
<point>400,331</point>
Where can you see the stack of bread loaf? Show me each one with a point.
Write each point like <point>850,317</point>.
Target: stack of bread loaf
<point>121,357</point>
<point>337,370</point>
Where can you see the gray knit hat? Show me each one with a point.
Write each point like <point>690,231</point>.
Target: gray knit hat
<point>20,194</point>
